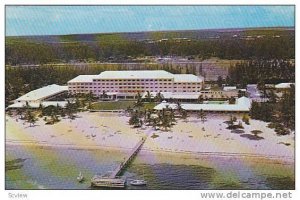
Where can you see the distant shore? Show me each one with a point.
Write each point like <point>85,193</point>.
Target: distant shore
<point>111,132</point>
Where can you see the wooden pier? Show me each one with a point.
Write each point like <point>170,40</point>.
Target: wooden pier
<point>127,160</point>
<point>113,181</point>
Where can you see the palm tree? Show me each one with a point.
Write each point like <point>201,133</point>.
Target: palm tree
<point>129,110</point>
<point>202,115</point>
<point>77,102</point>
<point>148,97</point>
<point>261,86</point>
<point>231,121</point>
<point>30,118</point>
<point>104,95</point>
<point>159,97</point>
<point>138,104</point>
<point>165,118</point>
<point>138,96</point>
<point>172,115</point>
<point>40,107</point>
<point>245,119</point>
<point>9,113</point>
<point>140,123</point>
<point>273,98</point>
<point>184,115</point>
<point>54,119</point>
<point>200,98</point>
<point>155,121</point>
<point>20,113</point>
<point>70,109</point>
<point>27,106</point>
<point>232,100</point>
<point>147,116</point>
<point>179,107</point>
<point>23,110</point>
<point>89,98</point>
<point>134,119</point>
<point>166,122</point>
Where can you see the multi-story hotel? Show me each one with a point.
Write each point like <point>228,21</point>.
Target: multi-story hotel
<point>126,84</point>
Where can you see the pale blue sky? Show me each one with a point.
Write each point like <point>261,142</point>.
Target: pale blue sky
<point>57,20</point>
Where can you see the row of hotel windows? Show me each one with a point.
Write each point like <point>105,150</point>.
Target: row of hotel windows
<point>132,80</point>
<point>189,87</point>
<point>132,83</point>
<point>129,91</point>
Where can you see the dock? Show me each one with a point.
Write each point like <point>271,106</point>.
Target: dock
<point>127,160</point>
<point>113,181</point>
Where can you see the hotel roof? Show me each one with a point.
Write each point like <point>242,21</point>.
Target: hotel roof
<point>37,105</point>
<point>283,85</point>
<point>186,78</point>
<point>83,78</point>
<point>243,104</point>
<point>136,74</point>
<point>171,95</point>
<point>229,88</point>
<point>42,93</point>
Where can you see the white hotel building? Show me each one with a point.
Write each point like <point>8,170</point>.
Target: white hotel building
<point>126,84</point>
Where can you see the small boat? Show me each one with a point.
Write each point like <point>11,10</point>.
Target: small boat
<point>106,182</point>
<point>80,178</point>
<point>138,182</point>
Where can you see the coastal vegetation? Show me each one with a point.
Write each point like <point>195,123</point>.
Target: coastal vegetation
<point>281,114</point>
<point>50,114</point>
<point>34,62</point>
<point>116,47</point>
<point>202,116</point>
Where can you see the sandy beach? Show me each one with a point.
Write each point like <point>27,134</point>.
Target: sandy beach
<point>111,131</point>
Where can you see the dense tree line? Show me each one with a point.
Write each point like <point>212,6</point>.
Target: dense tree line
<point>280,112</point>
<point>261,71</point>
<point>25,51</point>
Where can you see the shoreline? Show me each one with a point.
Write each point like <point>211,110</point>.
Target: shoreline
<point>111,132</point>
<point>287,160</point>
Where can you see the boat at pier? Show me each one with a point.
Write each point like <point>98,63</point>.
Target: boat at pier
<point>107,182</point>
<point>113,180</point>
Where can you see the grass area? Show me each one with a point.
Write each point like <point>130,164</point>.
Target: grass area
<point>112,105</point>
<point>119,105</point>
<point>149,106</point>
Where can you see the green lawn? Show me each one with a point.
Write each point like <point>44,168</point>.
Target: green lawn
<point>118,105</point>
<point>112,105</point>
<point>149,106</point>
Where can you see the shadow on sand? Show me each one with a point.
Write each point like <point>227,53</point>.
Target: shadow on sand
<point>252,137</point>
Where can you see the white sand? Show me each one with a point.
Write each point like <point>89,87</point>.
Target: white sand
<point>216,139</point>
<point>111,130</point>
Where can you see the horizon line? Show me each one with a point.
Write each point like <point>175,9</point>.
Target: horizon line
<point>170,30</point>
